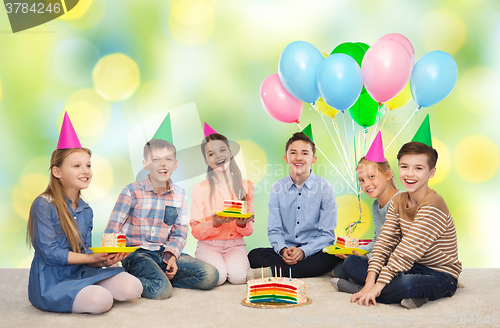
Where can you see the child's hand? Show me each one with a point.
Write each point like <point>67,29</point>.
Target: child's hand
<point>241,222</point>
<point>287,257</point>
<point>218,220</point>
<point>357,254</point>
<point>368,294</point>
<point>296,253</point>
<point>114,258</point>
<point>98,258</point>
<point>342,256</point>
<point>171,267</point>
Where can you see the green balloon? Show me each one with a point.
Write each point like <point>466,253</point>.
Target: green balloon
<point>353,50</point>
<point>365,110</point>
<point>363,45</point>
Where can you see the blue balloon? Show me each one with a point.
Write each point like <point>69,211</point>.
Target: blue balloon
<point>297,69</point>
<point>339,81</point>
<point>433,78</point>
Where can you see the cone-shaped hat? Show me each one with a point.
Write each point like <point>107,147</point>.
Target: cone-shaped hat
<point>68,137</point>
<point>376,151</point>
<point>308,132</point>
<point>164,132</point>
<point>207,130</point>
<point>423,134</point>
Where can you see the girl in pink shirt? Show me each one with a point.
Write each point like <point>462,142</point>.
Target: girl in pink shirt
<point>220,239</point>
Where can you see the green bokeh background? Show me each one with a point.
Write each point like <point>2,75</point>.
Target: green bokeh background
<point>216,54</point>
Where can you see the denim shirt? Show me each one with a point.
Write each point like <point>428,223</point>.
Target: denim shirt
<point>305,217</point>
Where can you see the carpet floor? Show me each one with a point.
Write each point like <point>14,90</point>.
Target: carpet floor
<point>478,304</point>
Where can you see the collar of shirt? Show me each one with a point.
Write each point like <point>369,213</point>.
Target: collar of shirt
<point>80,207</point>
<point>148,186</point>
<point>308,183</point>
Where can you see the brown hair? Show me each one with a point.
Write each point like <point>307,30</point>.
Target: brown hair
<point>233,168</point>
<point>157,144</point>
<point>383,167</point>
<point>300,136</point>
<point>416,147</point>
<point>55,190</point>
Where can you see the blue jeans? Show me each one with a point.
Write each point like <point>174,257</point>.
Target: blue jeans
<point>149,268</point>
<point>420,281</point>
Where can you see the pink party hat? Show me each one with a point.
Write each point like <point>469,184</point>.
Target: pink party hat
<point>68,137</point>
<point>207,130</point>
<point>376,151</point>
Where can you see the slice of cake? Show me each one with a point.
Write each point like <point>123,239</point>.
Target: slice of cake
<point>347,242</point>
<point>235,206</point>
<point>276,290</point>
<point>113,240</point>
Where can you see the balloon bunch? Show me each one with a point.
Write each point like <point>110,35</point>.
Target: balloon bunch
<point>356,78</point>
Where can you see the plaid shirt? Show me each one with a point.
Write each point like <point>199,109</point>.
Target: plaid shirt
<point>150,220</point>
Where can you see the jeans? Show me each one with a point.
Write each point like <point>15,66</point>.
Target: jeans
<point>312,266</point>
<point>149,268</point>
<point>420,281</point>
<point>338,271</point>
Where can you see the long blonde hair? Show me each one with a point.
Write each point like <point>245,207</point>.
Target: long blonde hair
<point>55,190</point>
<point>383,167</point>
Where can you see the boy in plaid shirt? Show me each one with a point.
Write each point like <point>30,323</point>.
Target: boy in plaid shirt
<point>153,215</point>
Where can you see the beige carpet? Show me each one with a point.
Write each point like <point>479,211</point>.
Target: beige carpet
<point>220,307</point>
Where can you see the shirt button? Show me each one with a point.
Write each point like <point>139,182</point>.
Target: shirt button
<point>300,194</point>
<point>296,236</point>
<point>298,222</point>
<point>298,207</point>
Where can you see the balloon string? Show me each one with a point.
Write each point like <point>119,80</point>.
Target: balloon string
<point>341,157</point>
<point>374,129</point>
<point>401,129</point>
<point>337,130</point>
<point>357,181</point>
<point>364,141</point>
<point>331,164</point>
<point>345,130</point>
<point>386,114</point>
<point>354,138</point>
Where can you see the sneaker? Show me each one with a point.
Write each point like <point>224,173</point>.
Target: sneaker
<point>413,303</point>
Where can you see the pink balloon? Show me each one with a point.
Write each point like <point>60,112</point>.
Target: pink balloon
<point>277,102</point>
<point>404,41</point>
<point>386,69</point>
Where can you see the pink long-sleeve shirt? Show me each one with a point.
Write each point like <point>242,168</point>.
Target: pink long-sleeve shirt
<point>202,213</point>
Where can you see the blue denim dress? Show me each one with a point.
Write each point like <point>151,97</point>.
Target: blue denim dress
<point>53,283</point>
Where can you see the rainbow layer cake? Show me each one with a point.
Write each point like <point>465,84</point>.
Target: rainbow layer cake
<point>235,206</point>
<point>276,290</point>
<point>350,242</point>
<point>113,240</point>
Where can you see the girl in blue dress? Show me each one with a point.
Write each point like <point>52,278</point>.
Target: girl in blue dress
<point>65,276</point>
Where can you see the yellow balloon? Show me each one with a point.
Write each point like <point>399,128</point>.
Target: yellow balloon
<point>401,99</point>
<point>322,107</point>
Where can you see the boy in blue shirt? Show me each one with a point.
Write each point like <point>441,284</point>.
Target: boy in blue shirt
<point>302,217</point>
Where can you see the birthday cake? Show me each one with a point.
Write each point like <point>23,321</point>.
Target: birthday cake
<point>113,240</point>
<point>276,290</point>
<point>235,206</point>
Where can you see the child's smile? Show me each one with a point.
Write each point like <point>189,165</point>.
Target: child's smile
<point>299,158</point>
<point>414,172</point>
<point>217,155</point>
